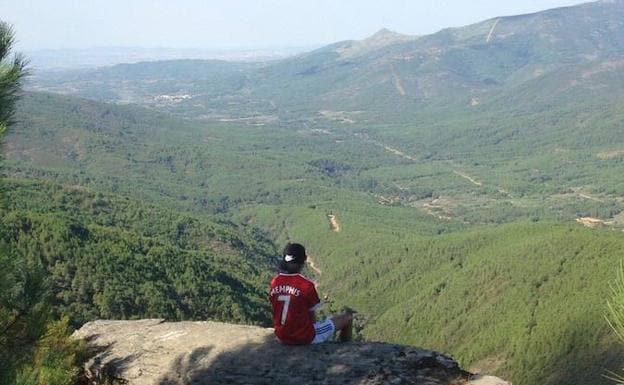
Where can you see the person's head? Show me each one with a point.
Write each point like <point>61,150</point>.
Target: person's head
<point>293,258</point>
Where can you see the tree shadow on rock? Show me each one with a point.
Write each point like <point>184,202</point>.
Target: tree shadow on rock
<point>104,366</point>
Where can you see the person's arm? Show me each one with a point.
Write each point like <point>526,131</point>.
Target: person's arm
<point>316,304</point>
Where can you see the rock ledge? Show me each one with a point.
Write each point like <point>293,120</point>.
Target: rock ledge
<point>153,352</point>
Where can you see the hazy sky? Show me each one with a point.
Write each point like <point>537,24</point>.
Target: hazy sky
<point>41,24</point>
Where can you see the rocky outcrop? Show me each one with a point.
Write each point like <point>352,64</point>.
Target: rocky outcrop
<point>153,352</point>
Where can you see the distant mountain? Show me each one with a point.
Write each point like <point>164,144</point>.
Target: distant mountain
<point>59,59</point>
<point>562,50</point>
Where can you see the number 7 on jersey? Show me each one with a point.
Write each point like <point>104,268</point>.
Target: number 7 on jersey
<point>286,300</point>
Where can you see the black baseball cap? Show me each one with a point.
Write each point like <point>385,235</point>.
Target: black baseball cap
<point>294,253</point>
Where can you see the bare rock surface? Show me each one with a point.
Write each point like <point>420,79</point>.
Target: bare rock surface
<point>153,352</point>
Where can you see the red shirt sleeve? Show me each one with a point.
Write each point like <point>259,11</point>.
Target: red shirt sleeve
<point>313,298</point>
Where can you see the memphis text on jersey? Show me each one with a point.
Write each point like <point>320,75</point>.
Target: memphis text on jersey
<point>285,289</point>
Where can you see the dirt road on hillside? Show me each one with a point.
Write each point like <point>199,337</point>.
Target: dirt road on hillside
<point>333,223</point>
<point>468,178</point>
<point>397,152</point>
<point>489,36</point>
<point>397,81</point>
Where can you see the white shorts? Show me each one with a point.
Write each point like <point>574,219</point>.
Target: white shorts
<point>324,331</point>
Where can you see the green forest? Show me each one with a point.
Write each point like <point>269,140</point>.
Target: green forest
<point>148,226</point>
<point>76,255</point>
<point>481,215</point>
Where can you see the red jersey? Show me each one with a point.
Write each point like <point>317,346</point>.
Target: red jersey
<point>294,300</point>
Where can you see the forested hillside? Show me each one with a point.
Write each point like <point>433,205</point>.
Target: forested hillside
<point>74,255</point>
<point>447,279</point>
<point>118,258</point>
<point>437,182</point>
<point>523,300</point>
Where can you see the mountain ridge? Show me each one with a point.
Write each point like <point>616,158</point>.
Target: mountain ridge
<point>383,37</point>
<point>387,73</point>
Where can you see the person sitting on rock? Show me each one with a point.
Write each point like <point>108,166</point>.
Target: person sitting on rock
<point>295,300</point>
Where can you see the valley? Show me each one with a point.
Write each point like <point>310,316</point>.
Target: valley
<point>462,191</point>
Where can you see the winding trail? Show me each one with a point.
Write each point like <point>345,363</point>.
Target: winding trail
<point>397,152</point>
<point>392,150</point>
<point>313,266</point>
<point>590,197</point>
